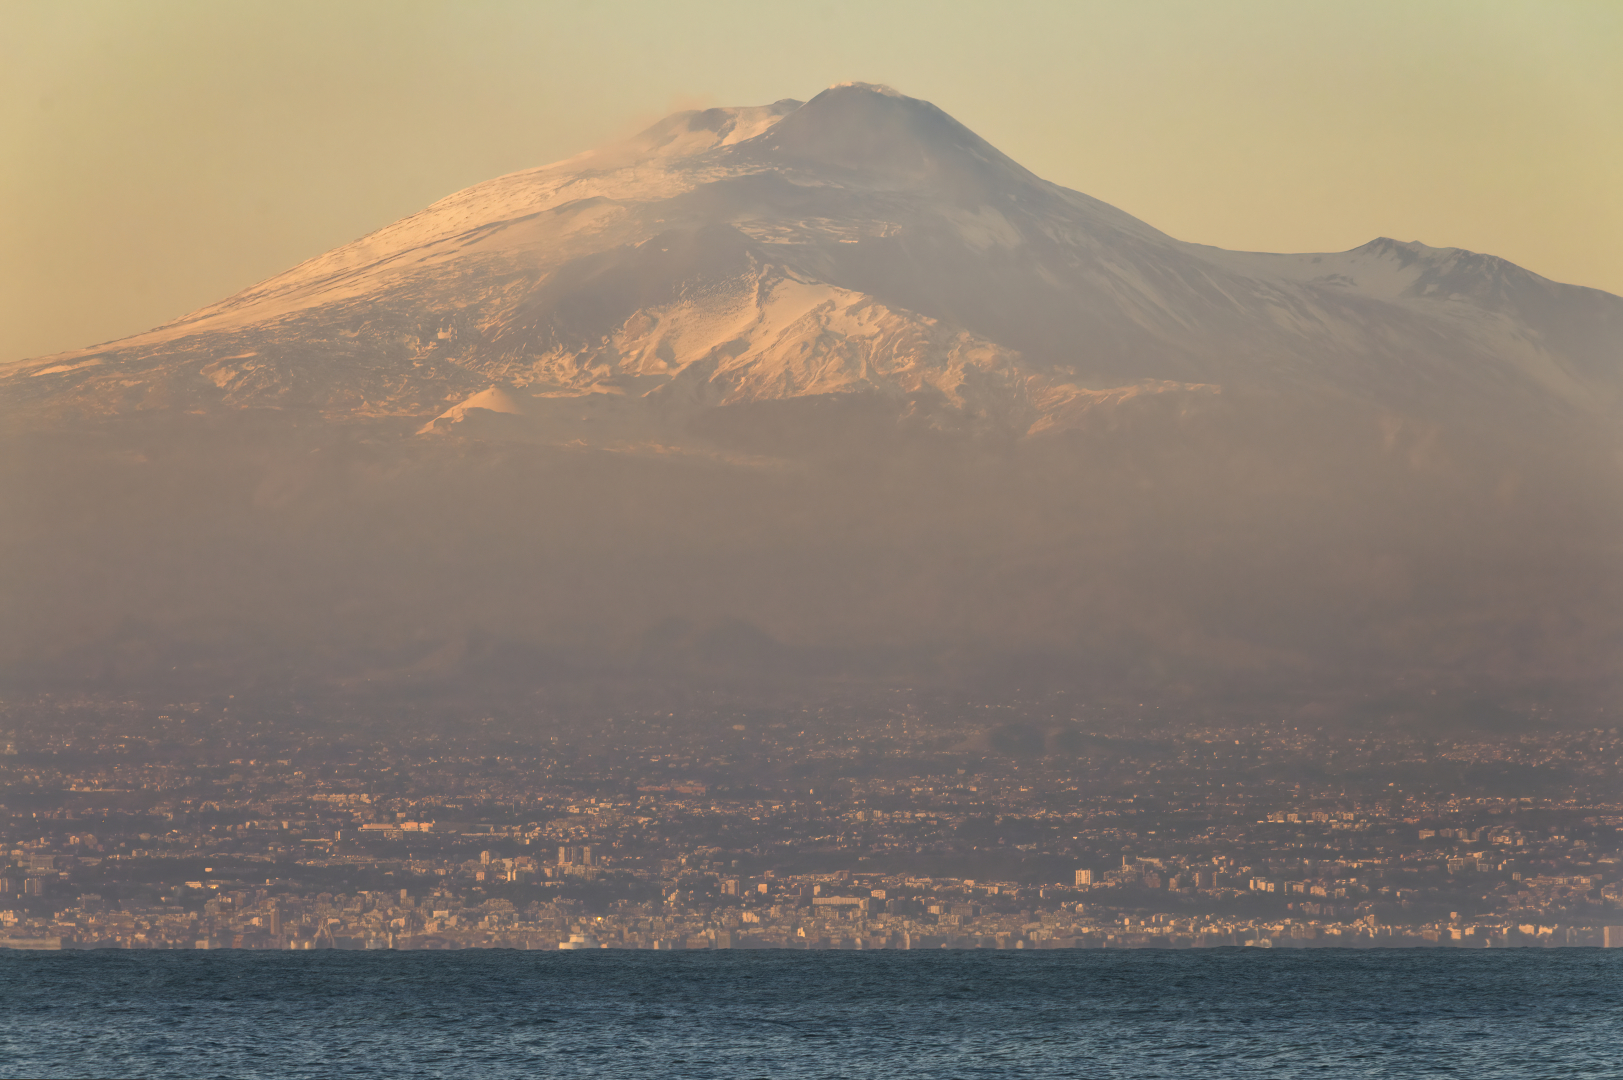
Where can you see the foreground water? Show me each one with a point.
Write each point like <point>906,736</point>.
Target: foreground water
<point>1206,1014</point>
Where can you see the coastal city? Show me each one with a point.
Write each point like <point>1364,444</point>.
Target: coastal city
<point>871,824</point>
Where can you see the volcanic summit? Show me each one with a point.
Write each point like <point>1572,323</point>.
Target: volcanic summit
<point>828,390</point>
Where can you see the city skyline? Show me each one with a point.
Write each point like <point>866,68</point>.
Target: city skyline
<point>899,825</point>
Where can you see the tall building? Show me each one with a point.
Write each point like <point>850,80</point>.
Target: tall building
<point>576,860</point>
<point>1614,937</point>
<point>1084,877</point>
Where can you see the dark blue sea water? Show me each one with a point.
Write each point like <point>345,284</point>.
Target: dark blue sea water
<point>1205,1014</point>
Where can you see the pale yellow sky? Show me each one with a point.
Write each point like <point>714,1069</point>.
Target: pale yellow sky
<point>159,155</point>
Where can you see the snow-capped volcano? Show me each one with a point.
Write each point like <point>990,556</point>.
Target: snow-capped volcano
<point>862,242</point>
<point>861,277</point>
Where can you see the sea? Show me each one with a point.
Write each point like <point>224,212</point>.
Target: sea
<point>1213,1013</point>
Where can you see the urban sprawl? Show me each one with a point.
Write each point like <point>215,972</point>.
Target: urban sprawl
<point>896,825</point>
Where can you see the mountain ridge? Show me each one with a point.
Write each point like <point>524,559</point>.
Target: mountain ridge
<point>841,373</point>
<point>703,173</point>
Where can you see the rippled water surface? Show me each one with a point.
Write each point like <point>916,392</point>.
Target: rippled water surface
<point>1205,1014</point>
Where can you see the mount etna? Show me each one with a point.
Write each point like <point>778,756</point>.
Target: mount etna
<point>828,392</point>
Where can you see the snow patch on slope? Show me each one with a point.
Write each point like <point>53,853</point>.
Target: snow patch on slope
<point>1067,406</point>
<point>496,399</point>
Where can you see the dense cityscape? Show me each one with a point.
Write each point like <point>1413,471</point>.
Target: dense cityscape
<point>894,823</point>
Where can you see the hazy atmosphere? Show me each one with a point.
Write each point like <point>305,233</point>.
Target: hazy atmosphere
<point>852,385</point>
<point>161,155</point>
<point>674,541</point>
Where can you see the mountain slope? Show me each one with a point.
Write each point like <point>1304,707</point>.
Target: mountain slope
<point>689,255</point>
<point>843,372</point>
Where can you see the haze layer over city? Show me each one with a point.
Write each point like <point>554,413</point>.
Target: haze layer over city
<point>799,524</point>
